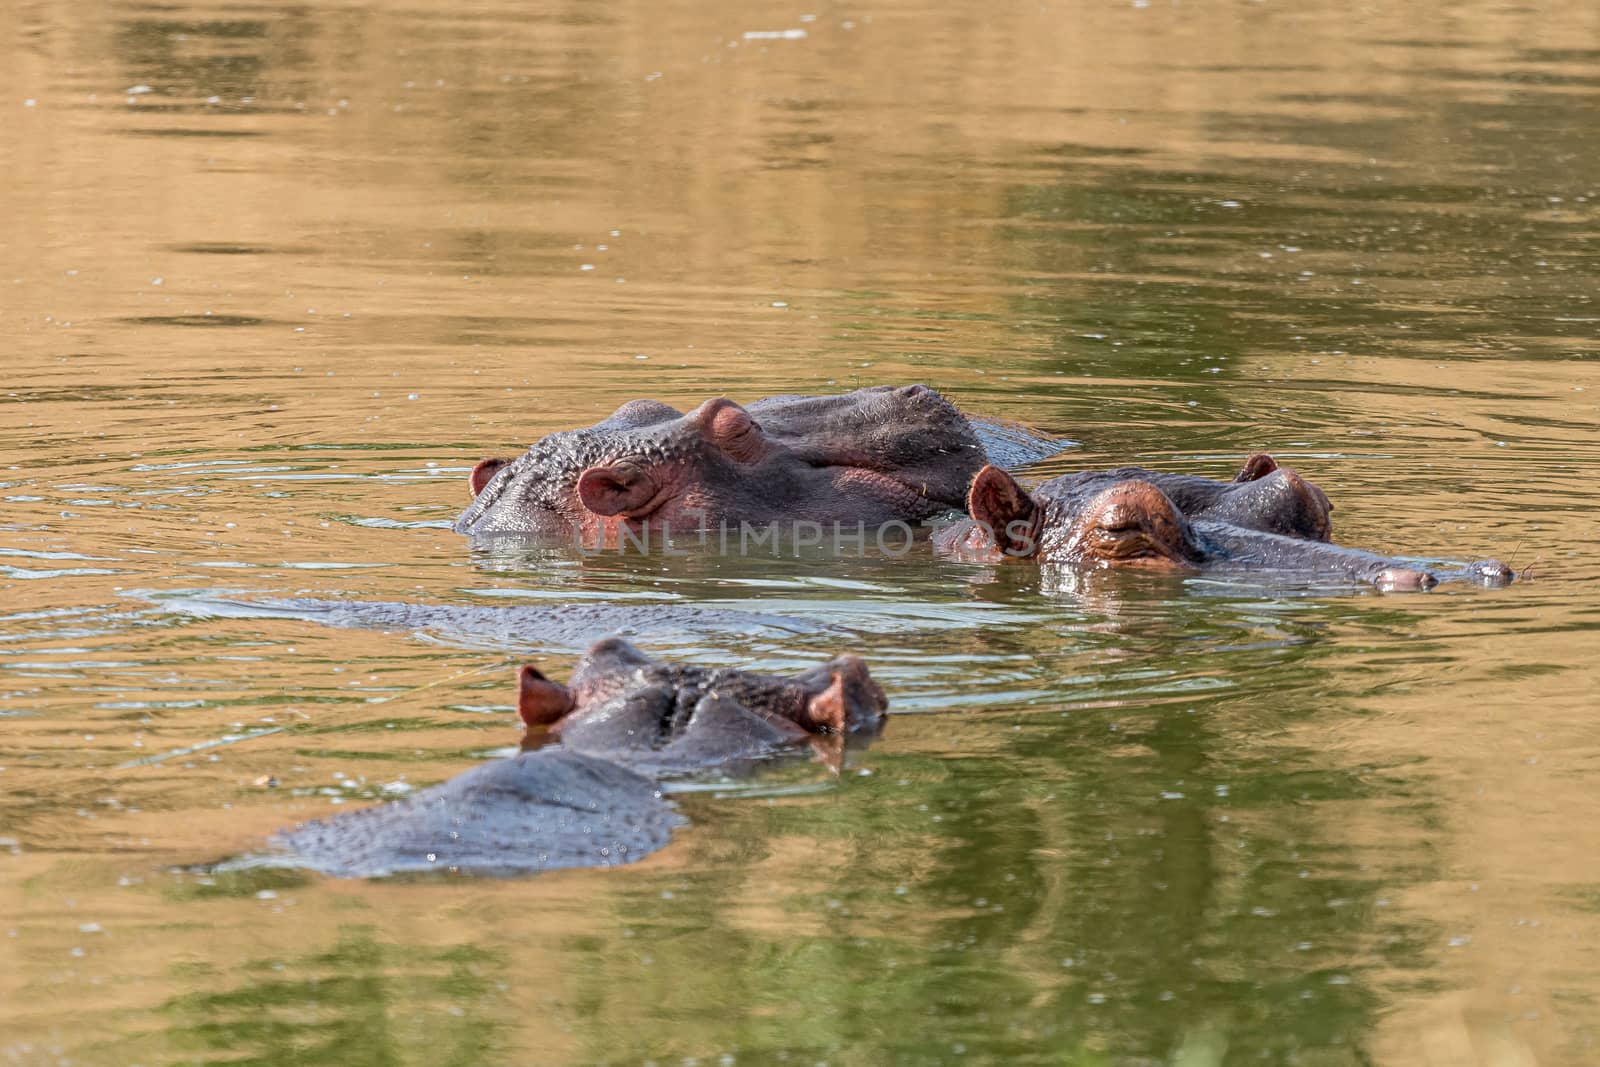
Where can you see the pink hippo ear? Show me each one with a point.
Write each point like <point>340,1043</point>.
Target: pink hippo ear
<point>852,701</point>
<point>1256,466</point>
<point>620,489</point>
<point>485,470</point>
<point>541,701</point>
<point>996,500</point>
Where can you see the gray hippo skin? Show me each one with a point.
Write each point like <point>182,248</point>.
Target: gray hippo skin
<point>584,795</point>
<point>536,811</point>
<point>668,718</point>
<point>872,456</point>
<point>1133,523</point>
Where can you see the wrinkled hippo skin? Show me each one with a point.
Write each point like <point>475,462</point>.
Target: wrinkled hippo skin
<point>1133,523</point>
<point>584,795</point>
<point>669,718</point>
<point>872,456</point>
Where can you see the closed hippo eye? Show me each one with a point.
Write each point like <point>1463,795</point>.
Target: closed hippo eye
<point>1124,543</point>
<point>1118,518</point>
<point>1133,522</point>
<point>730,427</point>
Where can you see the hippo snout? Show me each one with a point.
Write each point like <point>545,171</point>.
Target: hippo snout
<point>1490,572</point>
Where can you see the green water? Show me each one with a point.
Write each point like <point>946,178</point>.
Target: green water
<point>275,276</point>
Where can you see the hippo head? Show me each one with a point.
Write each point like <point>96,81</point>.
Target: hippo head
<point>870,456</point>
<point>624,706</point>
<point>1134,522</point>
<point>1265,496</point>
<point>1128,523</point>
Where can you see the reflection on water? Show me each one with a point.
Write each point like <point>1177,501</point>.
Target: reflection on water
<point>276,276</point>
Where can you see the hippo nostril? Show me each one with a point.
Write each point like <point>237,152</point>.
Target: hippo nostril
<point>1490,572</point>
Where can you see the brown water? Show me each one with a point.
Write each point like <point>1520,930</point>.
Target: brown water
<point>275,275</point>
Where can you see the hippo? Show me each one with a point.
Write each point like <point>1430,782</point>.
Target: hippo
<point>872,456</point>
<point>663,718</point>
<point>1134,523</point>
<point>584,792</point>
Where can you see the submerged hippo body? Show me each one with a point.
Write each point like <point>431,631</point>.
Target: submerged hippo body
<point>536,811</point>
<point>1133,523</point>
<point>528,627</point>
<point>871,456</point>
<point>585,795</point>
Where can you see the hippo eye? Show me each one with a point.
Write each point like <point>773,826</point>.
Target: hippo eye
<point>1120,535</point>
<point>1117,520</point>
<point>1125,539</point>
<point>734,431</point>
<point>732,421</point>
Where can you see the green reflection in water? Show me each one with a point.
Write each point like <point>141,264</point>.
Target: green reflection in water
<point>1164,894</point>
<point>362,1002</point>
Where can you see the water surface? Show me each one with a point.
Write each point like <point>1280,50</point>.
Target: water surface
<point>276,276</point>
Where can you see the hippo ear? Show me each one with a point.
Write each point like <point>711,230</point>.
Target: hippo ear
<point>616,490</point>
<point>996,500</point>
<point>852,701</point>
<point>1256,466</point>
<point>539,700</point>
<point>485,470</point>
